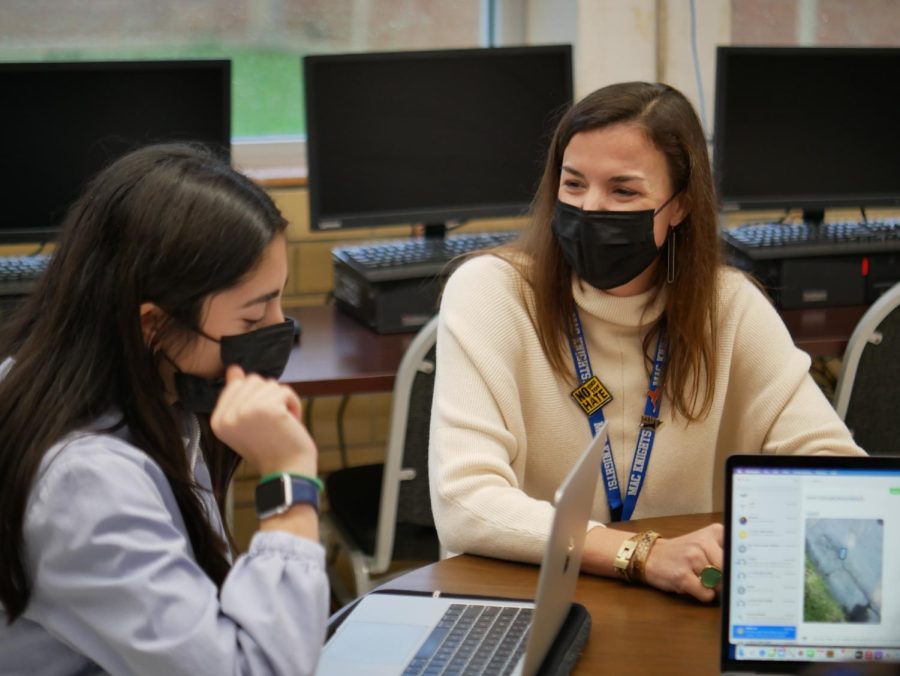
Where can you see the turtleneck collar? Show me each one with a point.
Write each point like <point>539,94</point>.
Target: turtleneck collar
<point>625,311</point>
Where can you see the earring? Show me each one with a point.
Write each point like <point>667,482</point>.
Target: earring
<point>670,258</point>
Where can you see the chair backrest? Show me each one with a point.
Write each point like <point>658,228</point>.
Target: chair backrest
<point>405,496</point>
<point>866,392</point>
<point>414,499</point>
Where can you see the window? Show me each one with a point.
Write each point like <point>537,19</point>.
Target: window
<point>264,39</point>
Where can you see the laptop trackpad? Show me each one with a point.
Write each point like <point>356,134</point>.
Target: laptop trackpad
<point>381,635</point>
<point>382,644</point>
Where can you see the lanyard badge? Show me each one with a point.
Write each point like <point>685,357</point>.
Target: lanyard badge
<point>591,395</point>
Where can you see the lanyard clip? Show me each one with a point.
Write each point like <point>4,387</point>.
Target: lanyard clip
<point>650,421</point>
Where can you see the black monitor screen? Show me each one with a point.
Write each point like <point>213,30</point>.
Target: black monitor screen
<point>438,136</point>
<point>807,127</point>
<point>63,122</point>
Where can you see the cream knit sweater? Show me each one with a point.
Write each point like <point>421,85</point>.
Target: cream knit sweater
<point>505,430</point>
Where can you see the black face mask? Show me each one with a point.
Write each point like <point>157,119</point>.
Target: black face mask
<point>606,248</point>
<point>264,351</point>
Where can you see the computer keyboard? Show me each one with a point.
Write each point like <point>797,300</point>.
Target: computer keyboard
<point>414,258</point>
<point>18,274</point>
<point>474,639</point>
<point>761,241</point>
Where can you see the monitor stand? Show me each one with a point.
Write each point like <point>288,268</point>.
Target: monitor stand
<point>435,231</point>
<point>814,217</point>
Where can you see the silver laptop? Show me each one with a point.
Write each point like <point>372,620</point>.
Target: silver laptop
<point>812,563</point>
<point>395,633</point>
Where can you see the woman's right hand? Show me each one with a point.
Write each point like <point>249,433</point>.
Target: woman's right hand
<point>674,564</point>
<point>261,420</point>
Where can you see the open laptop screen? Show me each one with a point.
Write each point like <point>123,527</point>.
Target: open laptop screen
<point>812,557</point>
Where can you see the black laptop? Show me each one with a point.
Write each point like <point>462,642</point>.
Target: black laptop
<point>812,564</point>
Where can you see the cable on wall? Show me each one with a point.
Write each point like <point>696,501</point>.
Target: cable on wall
<point>694,52</point>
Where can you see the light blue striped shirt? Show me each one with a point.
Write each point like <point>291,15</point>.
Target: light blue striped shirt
<point>116,588</point>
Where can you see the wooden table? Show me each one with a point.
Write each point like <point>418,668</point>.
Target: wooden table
<point>339,356</point>
<point>635,630</point>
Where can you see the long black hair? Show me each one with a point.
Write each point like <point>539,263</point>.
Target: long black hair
<point>169,224</point>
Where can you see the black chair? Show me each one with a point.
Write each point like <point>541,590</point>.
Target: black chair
<point>866,392</point>
<point>379,514</point>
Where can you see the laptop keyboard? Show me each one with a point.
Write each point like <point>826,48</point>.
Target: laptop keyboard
<point>473,639</point>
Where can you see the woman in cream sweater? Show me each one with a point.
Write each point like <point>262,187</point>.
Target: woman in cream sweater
<point>617,289</point>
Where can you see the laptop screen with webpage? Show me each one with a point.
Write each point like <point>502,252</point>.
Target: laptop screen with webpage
<point>812,561</point>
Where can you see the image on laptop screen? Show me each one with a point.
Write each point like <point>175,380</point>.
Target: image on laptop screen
<point>812,556</point>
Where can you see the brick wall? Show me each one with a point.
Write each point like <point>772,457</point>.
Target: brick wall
<point>293,25</point>
<point>826,23</point>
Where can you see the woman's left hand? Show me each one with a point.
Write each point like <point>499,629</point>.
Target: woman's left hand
<point>675,564</point>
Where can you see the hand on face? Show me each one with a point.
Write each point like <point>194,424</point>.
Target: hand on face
<point>675,564</point>
<point>260,420</point>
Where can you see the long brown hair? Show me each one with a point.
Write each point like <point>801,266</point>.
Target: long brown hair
<point>170,224</point>
<point>671,124</point>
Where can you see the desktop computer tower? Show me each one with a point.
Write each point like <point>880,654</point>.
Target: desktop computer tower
<point>822,281</point>
<point>393,306</point>
<point>884,272</point>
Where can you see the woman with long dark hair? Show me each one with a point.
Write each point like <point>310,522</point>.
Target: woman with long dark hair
<point>136,376</point>
<point>614,305</point>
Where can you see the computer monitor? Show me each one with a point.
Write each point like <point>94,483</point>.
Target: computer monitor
<point>63,122</point>
<point>432,137</point>
<point>807,128</point>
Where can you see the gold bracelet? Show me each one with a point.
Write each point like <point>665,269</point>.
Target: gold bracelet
<point>645,543</point>
<point>623,557</point>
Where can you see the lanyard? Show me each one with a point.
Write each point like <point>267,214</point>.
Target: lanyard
<point>592,396</point>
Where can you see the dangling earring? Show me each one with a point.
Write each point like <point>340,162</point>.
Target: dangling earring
<point>670,258</point>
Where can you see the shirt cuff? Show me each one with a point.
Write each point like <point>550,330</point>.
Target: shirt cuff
<point>286,545</point>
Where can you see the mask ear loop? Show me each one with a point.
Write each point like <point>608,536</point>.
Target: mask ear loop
<point>199,332</point>
<point>670,257</point>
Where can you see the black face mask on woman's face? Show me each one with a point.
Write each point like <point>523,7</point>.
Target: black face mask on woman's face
<point>606,248</point>
<point>264,351</point>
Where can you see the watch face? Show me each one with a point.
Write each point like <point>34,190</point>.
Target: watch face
<point>270,496</point>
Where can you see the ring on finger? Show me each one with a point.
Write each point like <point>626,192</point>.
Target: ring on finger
<point>710,576</point>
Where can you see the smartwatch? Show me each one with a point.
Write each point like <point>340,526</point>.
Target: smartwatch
<point>278,494</point>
